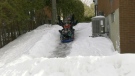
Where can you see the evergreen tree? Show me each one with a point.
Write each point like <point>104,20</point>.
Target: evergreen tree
<point>71,7</point>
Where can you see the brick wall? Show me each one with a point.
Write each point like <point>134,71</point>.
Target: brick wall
<point>106,6</point>
<point>127,26</point>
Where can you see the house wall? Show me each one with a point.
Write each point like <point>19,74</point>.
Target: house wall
<point>107,6</point>
<point>124,20</point>
<point>114,29</point>
<point>110,7</point>
<point>127,26</point>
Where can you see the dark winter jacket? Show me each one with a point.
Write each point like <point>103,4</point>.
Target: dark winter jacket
<point>69,20</point>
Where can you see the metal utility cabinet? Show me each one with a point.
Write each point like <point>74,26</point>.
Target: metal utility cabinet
<point>98,26</point>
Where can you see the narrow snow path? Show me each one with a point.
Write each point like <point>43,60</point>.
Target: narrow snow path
<point>62,50</point>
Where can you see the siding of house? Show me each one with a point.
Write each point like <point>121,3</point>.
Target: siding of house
<point>110,7</point>
<point>127,26</point>
<point>114,33</point>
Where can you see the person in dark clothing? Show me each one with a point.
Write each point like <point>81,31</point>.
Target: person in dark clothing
<point>67,25</point>
<point>69,20</point>
<point>67,33</point>
<point>60,21</point>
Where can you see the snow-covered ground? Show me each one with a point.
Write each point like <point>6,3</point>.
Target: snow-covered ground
<point>40,53</point>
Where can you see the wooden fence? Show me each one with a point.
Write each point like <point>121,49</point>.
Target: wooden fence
<point>9,32</point>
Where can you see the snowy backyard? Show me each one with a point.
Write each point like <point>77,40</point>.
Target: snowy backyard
<point>40,53</point>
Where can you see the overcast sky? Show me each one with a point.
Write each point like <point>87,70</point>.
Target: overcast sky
<point>87,2</point>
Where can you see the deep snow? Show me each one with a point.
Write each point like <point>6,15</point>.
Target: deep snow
<point>117,65</point>
<point>40,53</point>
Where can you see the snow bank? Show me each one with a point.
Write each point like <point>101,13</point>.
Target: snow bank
<point>37,43</point>
<point>85,45</point>
<point>47,44</point>
<point>116,65</point>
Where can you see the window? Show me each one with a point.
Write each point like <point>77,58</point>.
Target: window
<point>113,17</point>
